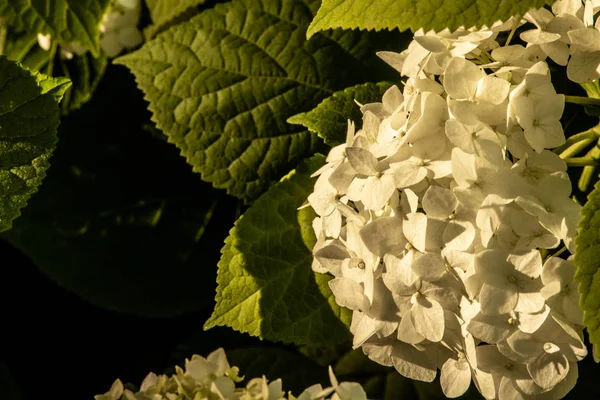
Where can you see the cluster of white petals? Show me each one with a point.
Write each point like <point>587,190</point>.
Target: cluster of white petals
<point>212,378</point>
<point>118,31</point>
<point>431,217</point>
<point>568,35</point>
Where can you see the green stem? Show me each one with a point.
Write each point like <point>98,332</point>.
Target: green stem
<point>513,30</point>
<point>581,161</point>
<point>592,89</point>
<point>3,33</point>
<point>590,172</point>
<point>577,148</point>
<point>593,133</point>
<point>559,252</point>
<point>586,101</point>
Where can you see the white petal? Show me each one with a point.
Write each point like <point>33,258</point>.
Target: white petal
<point>407,332</point>
<point>490,329</point>
<point>431,43</point>
<point>586,39</point>
<point>415,230</point>
<point>531,302</point>
<point>408,173</point>
<point>349,293</point>
<point>412,363</point>
<point>427,316</point>
<point>492,90</point>
<point>496,301</point>
<point>461,78</point>
<point>384,236</point>
<point>377,191</point>
<point>362,160</point>
<point>539,36</point>
<point>429,267</point>
<point>455,377</point>
<point>531,322</point>
<point>548,369</point>
<point>463,167</point>
<point>583,66</point>
<point>439,202</point>
<point>459,235</point>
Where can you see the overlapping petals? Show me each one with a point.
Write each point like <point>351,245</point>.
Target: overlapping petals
<point>212,378</point>
<point>431,216</point>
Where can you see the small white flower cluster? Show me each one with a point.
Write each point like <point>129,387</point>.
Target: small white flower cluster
<point>568,31</point>
<point>118,31</point>
<point>212,378</point>
<point>430,218</point>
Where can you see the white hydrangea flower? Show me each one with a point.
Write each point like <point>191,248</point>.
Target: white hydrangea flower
<point>446,194</point>
<point>212,378</point>
<point>118,30</point>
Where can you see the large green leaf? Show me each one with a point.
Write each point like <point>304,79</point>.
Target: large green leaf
<point>164,12</point>
<point>66,20</point>
<point>587,260</point>
<point>222,85</point>
<point>84,71</point>
<point>266,285</point>
<point>29,117</point>
<point>330,118</point>
<point>122,220</point>
<point>415,14</point>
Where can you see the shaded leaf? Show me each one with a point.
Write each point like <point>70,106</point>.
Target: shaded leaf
<point>29,118</point>
<point>122,221</point>
<point>85,71</point>
<point>8,387</point>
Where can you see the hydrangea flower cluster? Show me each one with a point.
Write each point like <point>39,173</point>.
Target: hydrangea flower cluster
<point>431,215</point>
<point>118,31</point>
<point>212,378</point>
<point>568,36</point>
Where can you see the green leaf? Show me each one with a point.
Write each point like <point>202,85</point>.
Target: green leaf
<point>84,71</point>
<point>587,260</point>
<point>66,20</point>
<point>415,14</point>
<point>29,117</point>
<point>121,219</point>
<point>266,285</point>
<point>222,86</point>
<point>164,12</point>
<point>330,118</point>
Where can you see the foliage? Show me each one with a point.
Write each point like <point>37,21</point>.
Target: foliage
<point>266,287</point>
<point>406,14</point>
<point>29,117</point>
<point>222,85</point>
